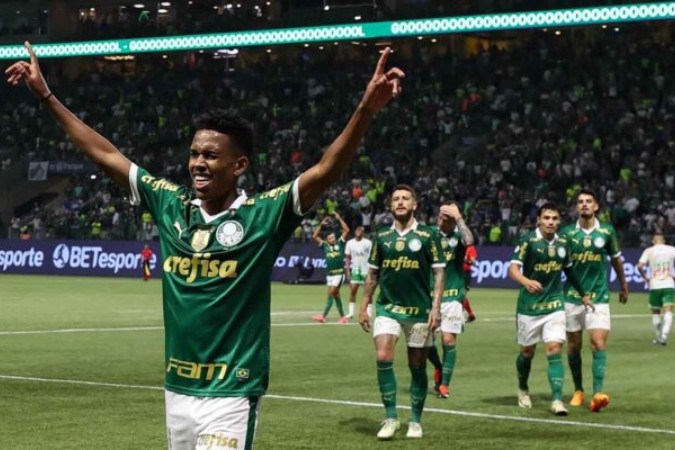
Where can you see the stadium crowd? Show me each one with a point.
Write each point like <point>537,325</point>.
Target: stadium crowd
<point>501,130</point>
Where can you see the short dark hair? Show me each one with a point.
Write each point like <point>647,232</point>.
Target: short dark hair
<point>405,187</point>
<point>588,191</point>
<point>548,206</point>
<point>229,122</point>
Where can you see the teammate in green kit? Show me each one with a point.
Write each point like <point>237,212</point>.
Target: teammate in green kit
<point>334,250</point>
<point>542,255</point>
<point>402,261</point>
<point>455,238</point>
<point>218,247</point>
<point>592,243</point>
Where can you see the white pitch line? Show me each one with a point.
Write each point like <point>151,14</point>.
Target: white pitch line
<point>121,329</point>
<point>290,324</point>
<point>368,405</point>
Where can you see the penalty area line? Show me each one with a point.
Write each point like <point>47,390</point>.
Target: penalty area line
<point>368,405</point>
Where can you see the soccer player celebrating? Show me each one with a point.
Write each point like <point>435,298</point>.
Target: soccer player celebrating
<point>542,255</point>
<point>402,261</point>
<point>591,243</point>
<point>334,250</point>
<point>455,238</point>
<point>219,246</point>
<point>146,256</point>
<point>660,258</point>
<point>356,262</point>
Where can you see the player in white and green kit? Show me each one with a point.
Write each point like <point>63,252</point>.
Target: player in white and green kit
<point>218,248</point>
<point>357,251</point>
<point>592,243</point>
<point>334,251</point>
<point>660,258</point>
<point>455,238</point>
<point>402,261</point>
<point>542,255</point>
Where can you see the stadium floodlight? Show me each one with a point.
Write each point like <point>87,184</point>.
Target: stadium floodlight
<point>363,30</point>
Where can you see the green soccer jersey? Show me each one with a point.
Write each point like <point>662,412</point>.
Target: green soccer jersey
<point>335,256</point>
<point>542,261</point>
<point>590,251</point>
<point>405,262</point>
<point>216,284</point>
<point>453,251</point>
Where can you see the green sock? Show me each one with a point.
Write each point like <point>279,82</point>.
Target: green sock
<point>418,391</point>
<point>523,365</point>
<point>599,365</point>
<point>574,361</point>
<point>386,380</point>
<point>556,375</point>
<point>449,358</point>
<point>329,305</point>
<point>338,304</point>
<point>434,358</point>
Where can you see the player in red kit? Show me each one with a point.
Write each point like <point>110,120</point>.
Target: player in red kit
<point>469,258</point>
<point>146,256</point>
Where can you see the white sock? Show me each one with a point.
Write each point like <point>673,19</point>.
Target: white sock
<point>370,310</point>
<point>656,322</point>
<point>352,305</point>
<point>667,325</point>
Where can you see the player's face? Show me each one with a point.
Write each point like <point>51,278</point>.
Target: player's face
<point>445,223</point>
<point>330,239</point>
<point>548,222</point>
<point>215,164</point>
<point>358,233</point>
<point>586,206</point>
<point>403,205</point>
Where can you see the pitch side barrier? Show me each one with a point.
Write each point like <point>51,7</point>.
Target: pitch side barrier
<point>122,259</point>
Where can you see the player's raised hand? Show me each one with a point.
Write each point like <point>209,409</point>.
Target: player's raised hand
<point>452,211</point>
<point>383,86</point>
<point>30,73</point>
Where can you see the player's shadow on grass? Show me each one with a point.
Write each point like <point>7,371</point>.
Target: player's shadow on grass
<point>512,400</point>
<point>362,425</point>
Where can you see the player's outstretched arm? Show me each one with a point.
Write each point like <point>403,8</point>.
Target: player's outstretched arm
<point>95,146</point>
<point>316,235</point>
<point>383,86</point>
<point>343,226</point>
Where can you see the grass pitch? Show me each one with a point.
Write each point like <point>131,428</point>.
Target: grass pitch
<point>82,367</point>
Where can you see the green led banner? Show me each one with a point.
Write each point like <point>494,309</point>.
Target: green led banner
<point>366,30</point>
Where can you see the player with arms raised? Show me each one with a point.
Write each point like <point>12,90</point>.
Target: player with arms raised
<point>218,247</point>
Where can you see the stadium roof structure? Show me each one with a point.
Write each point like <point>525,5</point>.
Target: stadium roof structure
<point>354,31</point>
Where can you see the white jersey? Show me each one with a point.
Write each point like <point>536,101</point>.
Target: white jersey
<point>359,251</point>
<point>660,259</point>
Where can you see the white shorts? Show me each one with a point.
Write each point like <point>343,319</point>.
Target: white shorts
<point>452,317</point>
<point>210,423</point>
<point>334,280</point>
<point>416,333</point>
<point>546,328</point>
<point>581,318</point>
